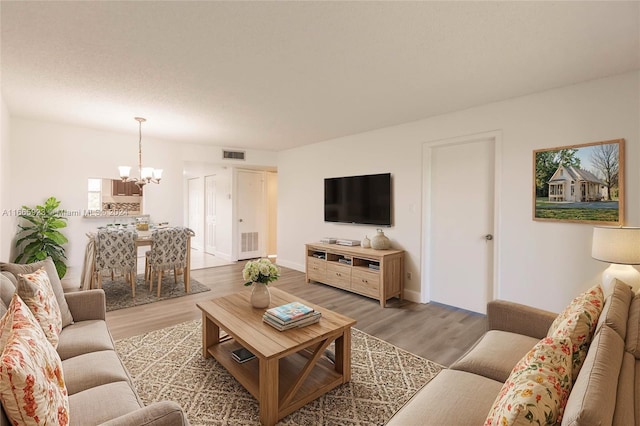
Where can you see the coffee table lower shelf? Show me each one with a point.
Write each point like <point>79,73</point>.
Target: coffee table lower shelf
<point>320,380</point>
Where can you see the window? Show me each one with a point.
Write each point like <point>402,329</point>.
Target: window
<point>95,194</point>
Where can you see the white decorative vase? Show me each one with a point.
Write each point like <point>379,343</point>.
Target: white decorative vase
<point>260,295</point>
<point>380,241</point>
<point>366,243</point>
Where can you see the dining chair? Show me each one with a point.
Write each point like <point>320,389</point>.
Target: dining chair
<point>115,251</point>
<point>168,252</point>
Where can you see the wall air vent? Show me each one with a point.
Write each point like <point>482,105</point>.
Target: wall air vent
<point>249,242</point>
<point>233,155</point>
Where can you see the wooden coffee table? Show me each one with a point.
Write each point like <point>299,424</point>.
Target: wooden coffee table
<point>289,369</point>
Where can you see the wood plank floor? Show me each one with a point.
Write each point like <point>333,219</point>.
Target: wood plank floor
<point>436,332</point>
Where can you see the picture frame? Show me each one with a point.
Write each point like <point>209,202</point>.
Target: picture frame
<point>580,183</point>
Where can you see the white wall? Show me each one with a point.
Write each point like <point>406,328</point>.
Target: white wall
<point>540,263</point>
<point>56,160</point>
<point>6,226</point>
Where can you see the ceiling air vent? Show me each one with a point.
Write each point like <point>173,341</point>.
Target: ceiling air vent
<point>233,155</point>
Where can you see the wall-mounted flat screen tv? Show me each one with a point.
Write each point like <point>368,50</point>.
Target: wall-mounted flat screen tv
<point>358,199</point>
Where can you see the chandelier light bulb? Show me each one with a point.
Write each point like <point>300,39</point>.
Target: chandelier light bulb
<point>124,172</point>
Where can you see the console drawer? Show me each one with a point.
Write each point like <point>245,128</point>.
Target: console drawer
<point>338,275</point>
<point>316,269</point>
<point>364,282</point>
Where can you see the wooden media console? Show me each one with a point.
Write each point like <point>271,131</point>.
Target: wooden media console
<point>373,273</point>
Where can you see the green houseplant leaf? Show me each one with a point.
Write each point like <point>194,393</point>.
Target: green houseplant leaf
<point>40,237</point>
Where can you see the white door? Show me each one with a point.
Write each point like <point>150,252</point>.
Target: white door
<point>460,235</point>
<point>272,213</point>
<point>251,215</point>
<point>210,214</point>
<point>196,211</point>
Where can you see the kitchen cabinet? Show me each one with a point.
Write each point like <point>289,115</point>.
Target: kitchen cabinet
<point>119,187</point>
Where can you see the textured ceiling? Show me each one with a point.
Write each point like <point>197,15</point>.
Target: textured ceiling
<point>274,75</point>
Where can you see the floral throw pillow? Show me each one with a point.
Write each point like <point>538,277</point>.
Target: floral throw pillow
<point>578,323</point>
<point>538,387</point>
<point>36,291</point>
<point>32,387</point>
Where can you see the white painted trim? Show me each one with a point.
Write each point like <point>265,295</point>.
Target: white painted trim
<point>497,209</point>
<point>496,135</point>
<point>412,296</point>
<point>223,256</point>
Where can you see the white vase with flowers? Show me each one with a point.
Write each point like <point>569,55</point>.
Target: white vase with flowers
<point>259,273</point>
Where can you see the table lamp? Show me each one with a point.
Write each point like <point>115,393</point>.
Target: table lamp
<point>619,246</point>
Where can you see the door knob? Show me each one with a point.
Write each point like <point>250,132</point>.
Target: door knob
<point>488,237</point>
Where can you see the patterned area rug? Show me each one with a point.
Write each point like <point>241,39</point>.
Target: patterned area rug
<point>168,364</point>
<point>118,292</point>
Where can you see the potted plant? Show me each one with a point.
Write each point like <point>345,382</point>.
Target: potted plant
<point>41,238</point>
<point>260,273</point>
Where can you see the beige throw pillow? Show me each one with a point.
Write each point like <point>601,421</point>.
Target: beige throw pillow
<point>32,387</point>
<point>35,290</point>
<point>578,323</point>
<point>49,266</point>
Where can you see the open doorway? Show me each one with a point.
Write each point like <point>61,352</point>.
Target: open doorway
<point>230,206</point>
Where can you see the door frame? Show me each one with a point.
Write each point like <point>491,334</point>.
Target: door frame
<point>197,242</point>
<point>206,241</point>
<point>427,158</point>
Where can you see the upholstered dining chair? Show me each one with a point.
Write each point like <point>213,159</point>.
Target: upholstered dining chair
<point>115,251</point>
<point>168,252</point>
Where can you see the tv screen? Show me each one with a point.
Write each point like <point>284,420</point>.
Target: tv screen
<point>358,199</point>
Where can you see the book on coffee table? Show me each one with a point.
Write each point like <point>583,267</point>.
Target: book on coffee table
<point>290,311</point>
<point>308,320</point>
<point>242,355</point>
<point>287,322</point>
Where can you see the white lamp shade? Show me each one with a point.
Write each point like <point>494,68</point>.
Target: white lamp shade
<point>146,173</point>
<point>157,174</point>
<point>616,245</point>
<point>124,171</point>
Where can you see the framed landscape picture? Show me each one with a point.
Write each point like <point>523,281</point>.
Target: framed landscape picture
<point>580,183</point>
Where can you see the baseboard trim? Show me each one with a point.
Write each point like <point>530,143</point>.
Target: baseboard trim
<point>412,296</point>
<point>291,265</point>
<point>222,256</point>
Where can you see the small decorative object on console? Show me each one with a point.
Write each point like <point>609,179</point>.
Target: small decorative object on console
<point>380,241</point>
<point>366,242</point>
<point>346,242</point>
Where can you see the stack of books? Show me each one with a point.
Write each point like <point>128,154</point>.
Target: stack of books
<point>291,315</point>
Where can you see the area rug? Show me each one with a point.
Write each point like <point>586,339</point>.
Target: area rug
<point>168,364</point>
<point>118,292</point>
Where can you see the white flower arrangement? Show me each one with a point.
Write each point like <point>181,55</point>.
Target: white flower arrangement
<point>260,271</point>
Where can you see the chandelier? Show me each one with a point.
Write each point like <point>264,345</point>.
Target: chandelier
<point>147,174</point>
